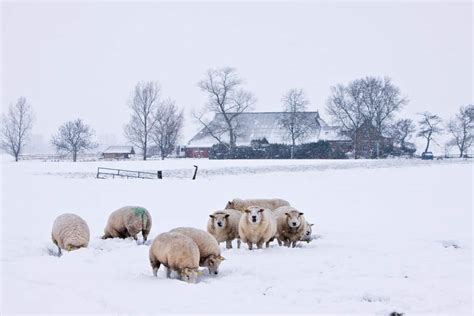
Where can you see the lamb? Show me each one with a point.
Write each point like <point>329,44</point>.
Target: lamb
<point>128,221</point>
<point>70,232</point>
<point>224,226</point>
<point>209,251</point>
<point>176,252</point>
<point>290,225</point>
<point>242,205</point>
<point>257,226</point>
<point>307,232</point>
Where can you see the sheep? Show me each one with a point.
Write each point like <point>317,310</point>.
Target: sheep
<point>307,232</point>
<point>257,226</point>
<point>290,225</point>
<point>176,252</point>
<point>224,226</point>
<point>242,205</point>
<point>128,221</point>
<point>70,232</point>
<point>209,251</point>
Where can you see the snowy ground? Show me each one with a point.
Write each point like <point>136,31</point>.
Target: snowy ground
<point>395,235</point>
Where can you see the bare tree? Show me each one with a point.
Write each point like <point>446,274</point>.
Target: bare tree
<point>16,126</point>
<point>295,122</point>
<point>74,137</point>
<point>169,123</point>
<point>402,131</point>
<point>144,106</point>
<point>225,98</point>
<point>381,100</point>
<point>461,129</point>
<point>346,108</point>
<point>429,127</point>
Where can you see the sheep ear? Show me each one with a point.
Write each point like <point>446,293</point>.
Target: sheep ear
<point>301,213</point>
<point>211,216</point>
<point>226,215</point>
<point>247,211</point>
<point>221,258</point>
<point>287,214</point>
<point>261,210</point>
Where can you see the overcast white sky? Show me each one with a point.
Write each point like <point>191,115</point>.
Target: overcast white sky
<point>83,59</point>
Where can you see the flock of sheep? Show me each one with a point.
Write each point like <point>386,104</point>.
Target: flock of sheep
<point>185,249</point>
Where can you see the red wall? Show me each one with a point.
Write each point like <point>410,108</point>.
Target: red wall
<point>197,153</point>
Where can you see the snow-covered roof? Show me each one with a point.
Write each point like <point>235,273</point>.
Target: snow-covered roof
<point>258,125</point>
<point>119,150</point>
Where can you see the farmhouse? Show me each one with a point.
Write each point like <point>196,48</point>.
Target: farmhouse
<point>118,152</point>
<point>253,126</point>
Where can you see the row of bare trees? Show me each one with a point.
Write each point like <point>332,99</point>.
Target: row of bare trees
<point>154,120</point>
<point>157,122</point>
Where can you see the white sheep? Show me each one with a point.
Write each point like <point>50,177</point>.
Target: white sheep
<point>176,252</point>
<point>307,235</point>
<point>257,226</point>
<point>224,226</point>
<point>242,205</point>
<point>128,221</point>
<point>209,251</point>
<point>70,232</point>
<point>290,225</point>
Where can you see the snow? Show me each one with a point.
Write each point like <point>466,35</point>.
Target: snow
<point>394,235</point>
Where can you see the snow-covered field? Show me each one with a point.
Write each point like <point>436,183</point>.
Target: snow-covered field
<point>396,235</point>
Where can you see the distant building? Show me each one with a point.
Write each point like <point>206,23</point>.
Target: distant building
<point>118,152</point>
<point>261,125</point>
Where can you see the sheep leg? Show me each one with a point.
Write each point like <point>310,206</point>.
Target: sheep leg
<point>293,244</point>
<point>228,244</point>
<point>59,251</point>
<point>267,244</point>
<point>238,243</point>
<point>250,245</point>
<point>145,235</point>
<point>168,273</point>
<point>260,244</point>
<point>279,242</point>
<point>155,265</point>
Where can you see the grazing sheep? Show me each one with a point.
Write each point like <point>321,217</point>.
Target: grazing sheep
<point>209,251</point>
<point>257,226</point>
<point>290,225</point>
<point>128,221</point>
<point>224,226</point>
<point>242,205</point>
<point>70,232</point>
<point>307,232</point>
<point>176,252</point>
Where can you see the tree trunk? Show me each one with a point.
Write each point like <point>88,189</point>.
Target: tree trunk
<point>292,151</point>
<point>427,144</point>
<point>74,156</point>
<point>144,153</point>
<point>16,157</point>
<point>355,146</point>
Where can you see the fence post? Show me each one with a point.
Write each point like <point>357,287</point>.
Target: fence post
<point>98,173</point>
<point>195,172</point>
<point>159,174</point>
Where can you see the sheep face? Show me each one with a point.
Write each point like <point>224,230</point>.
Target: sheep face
<point>219,220</point>
<point>189,275</point>
<point>229,205</point>
<point>307,233</point>
<point>294,219</point>
<point>212,263</point>
<point>254,215</point>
